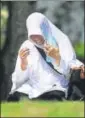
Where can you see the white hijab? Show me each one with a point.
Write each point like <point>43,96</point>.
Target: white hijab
<point>38,24</point>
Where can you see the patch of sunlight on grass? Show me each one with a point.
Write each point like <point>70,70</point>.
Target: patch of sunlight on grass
<point>28,108</point>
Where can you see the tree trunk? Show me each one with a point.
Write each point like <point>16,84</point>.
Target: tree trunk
<point>16,34</point>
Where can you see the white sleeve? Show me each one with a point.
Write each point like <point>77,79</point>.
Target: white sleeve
<point>68,58</point>
<point>20,76</point>
<point>75,63</point>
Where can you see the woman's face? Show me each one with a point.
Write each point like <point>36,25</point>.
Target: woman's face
<point>38,39</point>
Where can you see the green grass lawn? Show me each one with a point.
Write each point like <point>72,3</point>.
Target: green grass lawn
<point>28,108</point>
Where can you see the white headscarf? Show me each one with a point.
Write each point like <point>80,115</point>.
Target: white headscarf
<point>38,24</point>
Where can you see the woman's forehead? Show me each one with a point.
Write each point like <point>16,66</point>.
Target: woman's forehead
<point>36,36</point>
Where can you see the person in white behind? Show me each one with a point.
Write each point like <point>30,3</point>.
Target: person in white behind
<point>33,75</point>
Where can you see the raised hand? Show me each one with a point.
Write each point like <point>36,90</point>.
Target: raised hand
<point>23,53</point>
<point>52,52</point>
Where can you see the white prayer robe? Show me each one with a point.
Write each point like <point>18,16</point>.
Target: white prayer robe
<point>39,77</point>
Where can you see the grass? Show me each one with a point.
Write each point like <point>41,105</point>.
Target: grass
<point>79,49</point>
<point>28,108</point>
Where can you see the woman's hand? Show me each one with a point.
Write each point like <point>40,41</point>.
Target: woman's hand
<point>23,53</point>
<point>82,73</point>
<point>52,52</point>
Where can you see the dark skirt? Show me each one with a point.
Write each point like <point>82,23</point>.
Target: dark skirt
<point>52,95</point>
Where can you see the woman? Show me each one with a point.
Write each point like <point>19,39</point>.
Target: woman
<point>45,61</point>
